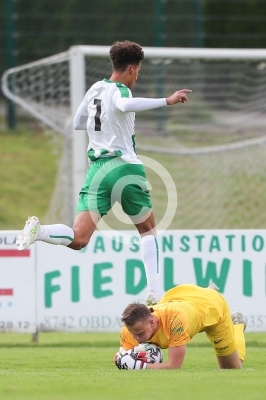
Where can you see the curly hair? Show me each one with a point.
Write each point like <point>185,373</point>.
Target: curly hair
<point>125,53</point>
<point>135,312</point>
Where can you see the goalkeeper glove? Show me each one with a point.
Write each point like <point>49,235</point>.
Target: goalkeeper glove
<point>131,360</point>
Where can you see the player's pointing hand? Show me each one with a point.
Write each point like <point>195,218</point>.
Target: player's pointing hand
<point>179,96</point>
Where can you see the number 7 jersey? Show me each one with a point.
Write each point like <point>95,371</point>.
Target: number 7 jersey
<point>111,131</point>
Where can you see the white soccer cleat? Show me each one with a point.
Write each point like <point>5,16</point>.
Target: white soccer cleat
<point>213,286</point>
<point>152,298</point>
<point>238,318</point>
<point>29,234</point>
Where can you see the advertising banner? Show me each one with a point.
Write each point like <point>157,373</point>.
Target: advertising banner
<point>17,286</point>
<point>87,290</point>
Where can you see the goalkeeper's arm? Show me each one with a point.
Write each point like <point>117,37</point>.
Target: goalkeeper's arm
<point>176,357</point>
<point>127,341</point>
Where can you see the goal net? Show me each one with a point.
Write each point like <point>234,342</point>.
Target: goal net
<point>214,146</point>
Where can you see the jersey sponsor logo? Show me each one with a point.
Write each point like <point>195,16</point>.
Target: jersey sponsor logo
<point>177,330</point>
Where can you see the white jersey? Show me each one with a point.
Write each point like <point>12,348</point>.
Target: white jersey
<point>108,113</point>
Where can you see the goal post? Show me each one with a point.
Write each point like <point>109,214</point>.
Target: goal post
<point>79,139</point>
<point>224,121</point>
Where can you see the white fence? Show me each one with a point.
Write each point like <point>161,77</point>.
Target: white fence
<point>53,288</point>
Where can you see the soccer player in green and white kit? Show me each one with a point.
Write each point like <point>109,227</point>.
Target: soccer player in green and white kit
<point>115,173</point>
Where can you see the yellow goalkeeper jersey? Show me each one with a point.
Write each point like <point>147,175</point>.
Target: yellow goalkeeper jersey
<point>182,312</point>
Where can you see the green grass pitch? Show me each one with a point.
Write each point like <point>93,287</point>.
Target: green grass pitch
<point>80,366</point>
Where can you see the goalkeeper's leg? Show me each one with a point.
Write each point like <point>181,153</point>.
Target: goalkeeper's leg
<point>227,335</point>
<point>239,329</point>
<point>76,238</point>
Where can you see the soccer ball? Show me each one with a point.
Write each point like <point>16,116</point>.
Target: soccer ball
<point>154,352</point>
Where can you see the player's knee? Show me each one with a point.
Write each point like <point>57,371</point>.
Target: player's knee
<point>79,244</point>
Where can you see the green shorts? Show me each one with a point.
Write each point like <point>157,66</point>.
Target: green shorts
<point>112,179</point>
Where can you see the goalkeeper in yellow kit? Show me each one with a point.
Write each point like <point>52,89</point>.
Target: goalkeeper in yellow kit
<point>181,313</point>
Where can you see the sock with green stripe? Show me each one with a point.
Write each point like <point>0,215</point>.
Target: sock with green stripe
<point>150,258</point>
<point>56,234</point>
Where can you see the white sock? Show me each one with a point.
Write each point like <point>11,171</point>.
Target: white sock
<point>56,234</point>
<point>150,258</point>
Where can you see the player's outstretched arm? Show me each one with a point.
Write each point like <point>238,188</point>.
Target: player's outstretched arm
<point>135,104</point>
<point>178,97</point>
